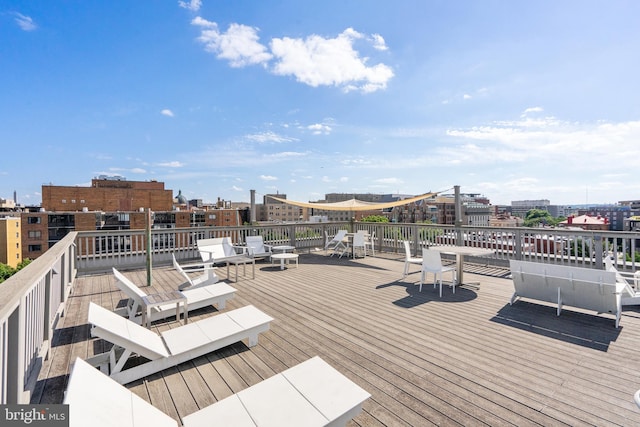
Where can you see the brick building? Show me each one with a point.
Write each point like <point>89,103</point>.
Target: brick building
<point>109,195</point>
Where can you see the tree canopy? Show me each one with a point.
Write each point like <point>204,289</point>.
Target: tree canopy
<point>537,217</point>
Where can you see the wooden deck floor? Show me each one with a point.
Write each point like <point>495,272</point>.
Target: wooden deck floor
<point>466,359</point>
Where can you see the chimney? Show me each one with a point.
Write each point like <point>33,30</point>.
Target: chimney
<point>570,220</point>
<point>253,206</point>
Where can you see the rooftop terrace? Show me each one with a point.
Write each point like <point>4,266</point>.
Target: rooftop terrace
<point>466,359</point>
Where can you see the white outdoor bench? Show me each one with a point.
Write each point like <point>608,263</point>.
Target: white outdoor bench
<point>562,285</point>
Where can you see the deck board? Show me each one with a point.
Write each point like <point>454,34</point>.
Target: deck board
<point>466,359</point>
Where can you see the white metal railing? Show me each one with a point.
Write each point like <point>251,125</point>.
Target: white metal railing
<point>31,302</point>
<point>99,251</point>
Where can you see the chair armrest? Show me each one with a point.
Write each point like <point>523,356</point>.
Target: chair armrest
<point>243,249</point>
<point>198,266</point>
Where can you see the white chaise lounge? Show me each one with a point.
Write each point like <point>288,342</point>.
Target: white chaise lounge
<point>216,294</point>
<point>171,347</point>
<point>311,393</point>
<point>562,285</point>
<point>208,276</point>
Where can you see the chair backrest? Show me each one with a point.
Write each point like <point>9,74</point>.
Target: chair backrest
<point>97,400</point>
<point>358,240</point>
<point>580,287</point>
<point>340,235</point>
<point>216,248</point>
<point>407,249</point>
<point>431,260</point>
<point>181,270</point>
<point>128,287</point>
<point>227,247</point>
<point>255,244</point>
<point>124,333</point>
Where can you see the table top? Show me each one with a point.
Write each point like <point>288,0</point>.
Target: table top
<point>463,250</point>
<point>283,248</point>
<point>164,298</point>
<point>284,256</point>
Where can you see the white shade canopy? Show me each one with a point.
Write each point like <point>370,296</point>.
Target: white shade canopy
<point>356,205</point>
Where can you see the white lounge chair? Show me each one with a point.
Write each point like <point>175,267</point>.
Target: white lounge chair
<point>208,276</point>
<point>311,393</point>
<point>204,296</point>
<point>432,263</point>
<point>408,259</point>
<point>256,247</point>
<point>171,347</point>
<point>337,242</point>
<point>220,250</point>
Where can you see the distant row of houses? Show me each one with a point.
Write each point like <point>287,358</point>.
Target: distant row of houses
<point>119,204</point>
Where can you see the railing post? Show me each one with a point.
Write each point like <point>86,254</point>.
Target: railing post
<point>597,246</point>
<point>517,244</point>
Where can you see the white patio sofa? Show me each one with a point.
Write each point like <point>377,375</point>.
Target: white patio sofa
<point>562,285</point>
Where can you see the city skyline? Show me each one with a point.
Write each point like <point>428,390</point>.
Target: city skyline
<point>513,100</point>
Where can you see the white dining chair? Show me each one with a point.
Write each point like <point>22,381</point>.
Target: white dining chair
<point>432,263</point>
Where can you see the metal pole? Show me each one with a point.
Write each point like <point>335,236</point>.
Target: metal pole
<point>149,246</point>
<point>458,220</point>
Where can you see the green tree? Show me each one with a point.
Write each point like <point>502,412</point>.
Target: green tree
<point>8,271</point>
<point>535,217</point>
<point>375,218</point>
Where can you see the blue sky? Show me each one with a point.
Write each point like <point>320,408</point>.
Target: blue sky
<point>512,99</point>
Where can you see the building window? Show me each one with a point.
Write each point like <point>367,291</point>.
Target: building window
<point>35,234</point>
<point>73,200</point>
<point>33,220</point>
<point>35,248</point>
<point>64,200</point>
<point>82,201</point>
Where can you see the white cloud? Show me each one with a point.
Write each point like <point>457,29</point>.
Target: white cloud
<point>466,96</point>
<point>138,170</point>
<point>173,164</point>
<point>193,5</point>
<point>315,61</point>
<point>319,61</point>
<point>287,155</point>
<point>394,181</point>
<point>269,137</point>
<point>236,188</point>
<point>319,129</point>
<point>378,42</point>
<point>532,110</point>
<point>268,178</point>
<point>167,113</point>
<point>25,22</point>
<point>239,44</point>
